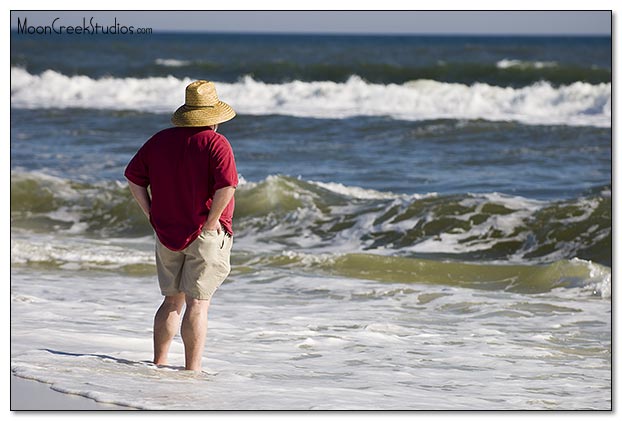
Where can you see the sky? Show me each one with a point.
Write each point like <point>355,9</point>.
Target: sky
<point>343,22</point>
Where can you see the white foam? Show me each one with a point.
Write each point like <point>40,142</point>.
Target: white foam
<point>171,62</point>
<point>600,278</point>
<point>576,104</point>
<point>75,253</point>
<point>337,343</point>
<point>455,241</point>
<point>507,63</point>
<point>61,187</point>
<point>356,192</point>
<point>51,89</point>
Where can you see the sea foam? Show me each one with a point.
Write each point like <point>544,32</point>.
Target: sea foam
<point>171,62</point>
<point>507,63</point>
<point>542,103</point>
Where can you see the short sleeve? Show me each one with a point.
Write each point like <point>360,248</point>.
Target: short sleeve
<point>137,171</point>
<point>223,166</point>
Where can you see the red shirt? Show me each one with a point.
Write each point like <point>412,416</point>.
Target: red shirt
<point>184,167</point>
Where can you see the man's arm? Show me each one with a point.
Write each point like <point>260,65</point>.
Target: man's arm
<point>141,195</point>
<point>222,197</point>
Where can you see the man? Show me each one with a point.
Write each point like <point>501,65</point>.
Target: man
<point>192,175</point>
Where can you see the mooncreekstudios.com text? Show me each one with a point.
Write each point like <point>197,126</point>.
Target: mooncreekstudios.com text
<point>88,27</point>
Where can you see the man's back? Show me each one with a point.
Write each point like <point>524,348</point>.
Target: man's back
<point>184,167</point>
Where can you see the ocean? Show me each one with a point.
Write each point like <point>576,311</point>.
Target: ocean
<point>422,223</point>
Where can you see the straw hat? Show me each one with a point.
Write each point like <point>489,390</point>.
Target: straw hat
<point>202,107</point>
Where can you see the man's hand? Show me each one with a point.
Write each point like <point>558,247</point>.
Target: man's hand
<point>222,197</point>
<point>213,226</point>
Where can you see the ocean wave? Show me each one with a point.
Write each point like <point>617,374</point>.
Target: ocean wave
<point>506,72</point>
<point>74,253</point>
<point>171,62</point>
<point>79,254</point>
<point>285,213</point>
<point>507,63</point>
<point>520,278</point>
<point>578,103</point>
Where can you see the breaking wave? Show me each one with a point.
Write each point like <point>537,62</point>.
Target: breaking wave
<point>577,103</point>
<point>285,213</point>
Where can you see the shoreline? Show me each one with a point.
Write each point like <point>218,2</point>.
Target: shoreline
<point>33,395</point>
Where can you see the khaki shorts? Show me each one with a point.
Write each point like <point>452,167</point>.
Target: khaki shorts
<point>199,269</point>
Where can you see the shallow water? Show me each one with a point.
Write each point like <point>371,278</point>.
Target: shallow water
<point>278,340</point>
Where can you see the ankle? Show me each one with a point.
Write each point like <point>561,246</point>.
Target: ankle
<point>160,361</point>
<point>193,368</point>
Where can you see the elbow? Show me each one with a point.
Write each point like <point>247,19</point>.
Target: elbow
<point>230,189</point>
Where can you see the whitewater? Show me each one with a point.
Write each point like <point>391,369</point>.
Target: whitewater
<point>305,322</point>
<point>579,103</point>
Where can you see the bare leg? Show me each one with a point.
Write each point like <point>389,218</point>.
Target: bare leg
<point>165,326</point>
<point>194,331</point>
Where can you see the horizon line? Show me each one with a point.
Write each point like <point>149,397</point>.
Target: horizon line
<point>332,33</point>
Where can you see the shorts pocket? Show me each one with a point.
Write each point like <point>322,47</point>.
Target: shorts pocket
<point>208,234</point>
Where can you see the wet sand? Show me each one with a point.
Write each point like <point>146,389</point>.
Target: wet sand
<point>31,395</point>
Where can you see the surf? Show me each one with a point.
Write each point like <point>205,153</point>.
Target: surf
<point>577,104</point>
<point>517,278</point>
<point>286,213</point>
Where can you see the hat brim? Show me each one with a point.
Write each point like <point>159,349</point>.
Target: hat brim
<point>186,116</point>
